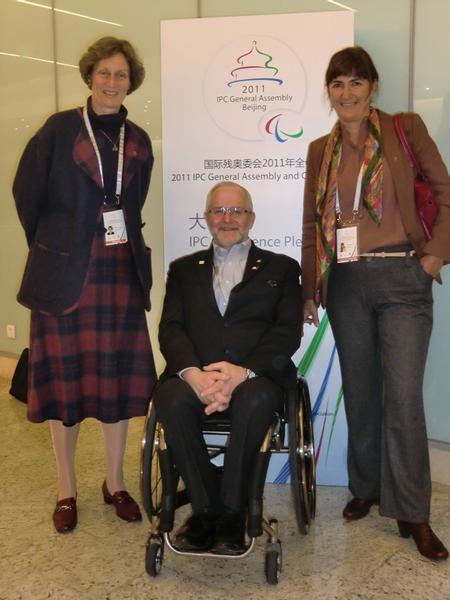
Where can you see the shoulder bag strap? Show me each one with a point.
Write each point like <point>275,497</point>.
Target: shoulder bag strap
<point>404,142</point>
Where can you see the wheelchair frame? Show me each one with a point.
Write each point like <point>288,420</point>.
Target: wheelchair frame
<point>162,494</point>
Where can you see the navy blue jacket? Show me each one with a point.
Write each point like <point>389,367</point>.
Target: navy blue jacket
<point>59,200</point>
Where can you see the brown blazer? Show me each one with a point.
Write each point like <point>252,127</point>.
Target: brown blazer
<point>432,165</point>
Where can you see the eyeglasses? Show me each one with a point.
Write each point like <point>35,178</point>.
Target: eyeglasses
<point>233,211</point>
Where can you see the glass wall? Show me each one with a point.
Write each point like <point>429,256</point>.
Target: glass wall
<point>432,101</point>
<point>40,45</point>
<point>28,95</point>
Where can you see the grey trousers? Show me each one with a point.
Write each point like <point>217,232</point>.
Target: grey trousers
<point>380,311</point>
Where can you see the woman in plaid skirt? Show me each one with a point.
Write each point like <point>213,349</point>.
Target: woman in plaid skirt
<point>79,190</point>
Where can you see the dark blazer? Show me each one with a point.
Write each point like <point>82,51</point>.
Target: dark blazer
<point>261,328</point>
<point>433,166</point>
<point>59,200</point>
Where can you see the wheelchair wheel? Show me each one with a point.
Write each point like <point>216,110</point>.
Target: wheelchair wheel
<point>309,453</point>
<point>151,482</point>
<point>154,554</point>
<point>273,562</point>
<point>301,457</point>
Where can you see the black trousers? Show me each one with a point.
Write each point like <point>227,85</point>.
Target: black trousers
<point>181,413</point>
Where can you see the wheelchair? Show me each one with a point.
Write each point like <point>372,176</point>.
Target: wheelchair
<point>163,491</point>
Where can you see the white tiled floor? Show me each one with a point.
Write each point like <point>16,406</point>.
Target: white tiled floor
<point>103,559</point>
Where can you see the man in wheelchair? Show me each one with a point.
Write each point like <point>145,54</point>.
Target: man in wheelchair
<point>230,323</point>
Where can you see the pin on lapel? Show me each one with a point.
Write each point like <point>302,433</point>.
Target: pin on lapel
<point>201,262</point>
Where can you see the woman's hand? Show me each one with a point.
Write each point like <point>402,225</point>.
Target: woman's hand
<point>310,313</point>
<point>431,264</point>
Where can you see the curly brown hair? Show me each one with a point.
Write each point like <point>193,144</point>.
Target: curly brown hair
<point>106,47</point>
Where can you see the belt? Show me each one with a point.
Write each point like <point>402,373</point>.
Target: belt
<point>388,254</point>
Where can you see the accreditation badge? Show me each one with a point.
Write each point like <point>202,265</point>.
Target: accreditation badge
<point>347,244</point>
<point>116,231</point>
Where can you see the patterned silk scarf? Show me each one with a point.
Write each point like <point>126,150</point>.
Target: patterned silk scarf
<point>326,191</point>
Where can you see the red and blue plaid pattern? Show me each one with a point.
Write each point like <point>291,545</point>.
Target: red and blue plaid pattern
<point>136,150</point>
<point>97,360</point>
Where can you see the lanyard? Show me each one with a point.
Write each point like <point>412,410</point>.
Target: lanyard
<point>356,199</point>
<point>97,153</point>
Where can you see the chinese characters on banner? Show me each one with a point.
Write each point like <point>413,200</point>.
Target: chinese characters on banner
<point>242,99</point>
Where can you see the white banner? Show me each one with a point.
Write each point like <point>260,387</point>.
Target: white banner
<point>242,99</point>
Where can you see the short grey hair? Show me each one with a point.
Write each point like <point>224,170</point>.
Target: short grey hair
<point>247,197</point>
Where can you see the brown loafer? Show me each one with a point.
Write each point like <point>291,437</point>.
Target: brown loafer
<point>358,509</point>
<point>427,542</point>
<point>65,515</point>
<point>126,508</point>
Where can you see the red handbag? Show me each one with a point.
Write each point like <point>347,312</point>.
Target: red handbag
<point>426,204</point>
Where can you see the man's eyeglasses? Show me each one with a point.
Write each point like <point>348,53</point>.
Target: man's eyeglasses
<point>233,211</point>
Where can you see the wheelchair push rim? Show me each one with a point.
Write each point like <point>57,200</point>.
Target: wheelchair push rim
<point>302,457</point>
<point>151,480</point>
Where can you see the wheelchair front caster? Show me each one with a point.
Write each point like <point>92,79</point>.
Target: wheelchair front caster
<point>154,554</point>
<point>273,562</point>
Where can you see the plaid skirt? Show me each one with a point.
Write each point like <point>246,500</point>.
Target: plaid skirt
<point>97,360</point>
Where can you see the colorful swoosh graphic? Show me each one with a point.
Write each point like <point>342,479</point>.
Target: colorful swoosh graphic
<point>304,368</point>
<point>277,132</point>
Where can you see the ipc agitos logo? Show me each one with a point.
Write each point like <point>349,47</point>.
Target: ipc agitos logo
<point>273,127</point>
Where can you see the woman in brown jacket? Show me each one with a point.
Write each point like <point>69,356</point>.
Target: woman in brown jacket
<point>366,258</point>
